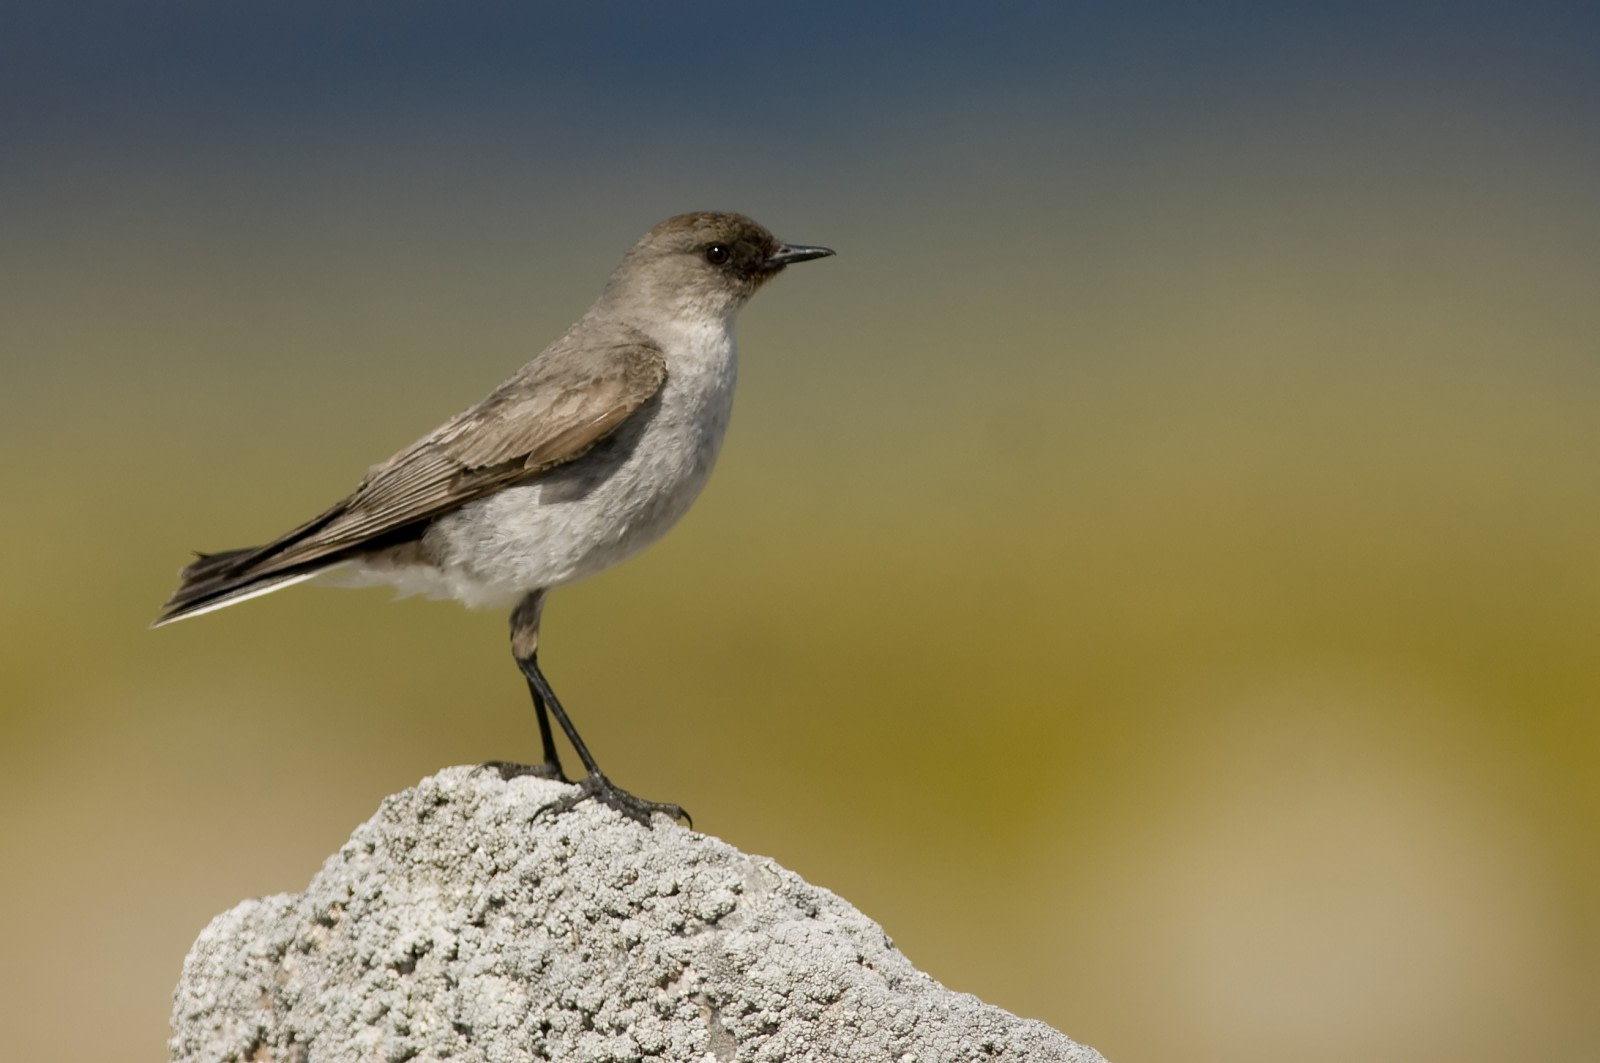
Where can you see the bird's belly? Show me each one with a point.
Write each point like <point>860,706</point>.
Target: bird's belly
<point>574,521</point>
<point>525,538</point>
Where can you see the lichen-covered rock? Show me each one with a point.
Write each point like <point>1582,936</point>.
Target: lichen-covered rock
<point>457,924</point>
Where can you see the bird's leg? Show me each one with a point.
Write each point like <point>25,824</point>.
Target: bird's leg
<point>525,643</point>
<point>525,648</point>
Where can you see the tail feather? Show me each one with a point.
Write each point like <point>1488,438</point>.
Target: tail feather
<point>209,566</point>
<point>198,600</point>
<point>212,581</point>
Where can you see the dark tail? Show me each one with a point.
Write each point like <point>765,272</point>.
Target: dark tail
<point>212,581</point>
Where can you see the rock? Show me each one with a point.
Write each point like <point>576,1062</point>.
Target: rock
<point>459,924</point>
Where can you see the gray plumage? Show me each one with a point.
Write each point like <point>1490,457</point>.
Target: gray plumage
<point>583,457</point>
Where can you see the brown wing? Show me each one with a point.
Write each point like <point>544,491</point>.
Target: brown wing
<point>554,410</point>
<point>556,413</point>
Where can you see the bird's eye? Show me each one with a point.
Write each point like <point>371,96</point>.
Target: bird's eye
<point>718,254</point>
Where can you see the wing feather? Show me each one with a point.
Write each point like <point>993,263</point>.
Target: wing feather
<point>527,426</point>
<point>553,411</point>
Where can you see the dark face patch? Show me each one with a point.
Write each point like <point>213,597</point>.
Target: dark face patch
<point>736,247</point>
<point>729,244</point>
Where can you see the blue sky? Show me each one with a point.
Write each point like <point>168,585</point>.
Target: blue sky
<point>767,72</point>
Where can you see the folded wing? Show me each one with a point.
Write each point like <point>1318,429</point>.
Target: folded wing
<point>559,406</point>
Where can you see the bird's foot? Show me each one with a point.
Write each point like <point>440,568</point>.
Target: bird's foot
<point>606,792</point>
<point>510,769</point>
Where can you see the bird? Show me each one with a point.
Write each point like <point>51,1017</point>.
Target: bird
<point>583,457</point>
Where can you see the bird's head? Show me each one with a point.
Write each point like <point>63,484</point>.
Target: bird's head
<point>708,263</point>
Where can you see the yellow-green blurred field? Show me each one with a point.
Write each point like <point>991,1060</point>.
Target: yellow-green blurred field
<point>1162,586</point>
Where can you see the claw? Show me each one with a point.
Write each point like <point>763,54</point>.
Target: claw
<point>510,769</point>
<point>606,792</point>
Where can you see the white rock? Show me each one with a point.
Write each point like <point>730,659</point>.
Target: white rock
<point>457,924</point>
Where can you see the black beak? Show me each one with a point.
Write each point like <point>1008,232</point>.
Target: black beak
<point>787,253</point>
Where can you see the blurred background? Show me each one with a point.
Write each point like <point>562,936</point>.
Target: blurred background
<point>1154,569</point>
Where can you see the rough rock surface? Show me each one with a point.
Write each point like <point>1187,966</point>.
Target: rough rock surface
<point>457,925</point>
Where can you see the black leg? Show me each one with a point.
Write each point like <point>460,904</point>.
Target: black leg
<point>595,784</point>
<point>525,640</point>
<point>551,767</point>
<point>525,648</point>
<point>546,738</point>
